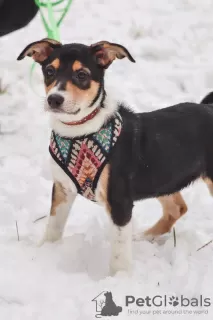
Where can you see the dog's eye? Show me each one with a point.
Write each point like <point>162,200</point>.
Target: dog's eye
<point>82,75</point>
<point>50,71</point>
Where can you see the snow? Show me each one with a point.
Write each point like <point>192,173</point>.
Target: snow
<point>172,43</point>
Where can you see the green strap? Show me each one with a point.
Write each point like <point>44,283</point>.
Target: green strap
<point>66,9</point>
<point>51,24</point>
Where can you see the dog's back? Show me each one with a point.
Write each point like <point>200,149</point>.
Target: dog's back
<point>167,149</point>
<point>208,99</point>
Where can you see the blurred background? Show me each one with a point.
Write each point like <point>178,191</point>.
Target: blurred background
<point>172,43</point>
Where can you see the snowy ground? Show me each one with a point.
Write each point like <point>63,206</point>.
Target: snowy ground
<point>172,42</point>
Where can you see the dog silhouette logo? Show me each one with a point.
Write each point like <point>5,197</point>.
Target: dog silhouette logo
<point>105,305</point>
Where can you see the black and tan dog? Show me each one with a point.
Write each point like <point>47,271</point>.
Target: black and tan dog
<point>104,151</point>
<point>174,205</point>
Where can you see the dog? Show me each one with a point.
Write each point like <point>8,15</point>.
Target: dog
<point>110,308</point>
<point>104,151</point>
<point>174,206</point>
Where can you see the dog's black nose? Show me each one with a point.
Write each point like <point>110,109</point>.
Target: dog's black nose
<point>55,100</point>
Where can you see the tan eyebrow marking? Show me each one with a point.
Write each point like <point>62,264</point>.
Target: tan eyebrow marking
<point>77,65</point>
<point>56,63</point>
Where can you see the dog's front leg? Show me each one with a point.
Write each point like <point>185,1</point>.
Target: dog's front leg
<point>62,200</point>
<point>121,238</point>
<point>121,248</point>
<point>115,197</point>
<point>63,196</point>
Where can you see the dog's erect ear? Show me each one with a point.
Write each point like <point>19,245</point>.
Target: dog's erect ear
<point>40,50</point>
<point>106,52</point>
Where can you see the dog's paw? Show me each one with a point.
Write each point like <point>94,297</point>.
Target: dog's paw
<point>118,264</point>
<point>50,236</point>
<point>41,242</point>
<point>53,235</point>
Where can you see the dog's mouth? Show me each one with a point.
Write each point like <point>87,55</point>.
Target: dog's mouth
<point>61,111</point>
<point>74,112</point>
<point>90,116</point>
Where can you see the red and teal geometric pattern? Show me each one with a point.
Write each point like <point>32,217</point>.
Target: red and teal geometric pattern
<point>83,158</point>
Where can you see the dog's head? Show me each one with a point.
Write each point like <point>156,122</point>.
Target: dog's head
<point>73,73</point>
<point>108,295</point>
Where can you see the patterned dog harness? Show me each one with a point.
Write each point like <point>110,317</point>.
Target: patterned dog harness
<point>83,158</point>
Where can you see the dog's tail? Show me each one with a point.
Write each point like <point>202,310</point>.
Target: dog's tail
<point>208,99</point>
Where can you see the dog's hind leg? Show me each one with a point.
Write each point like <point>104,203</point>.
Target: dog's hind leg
<point>174,207</point>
